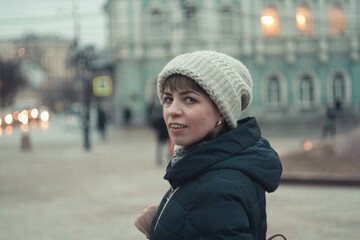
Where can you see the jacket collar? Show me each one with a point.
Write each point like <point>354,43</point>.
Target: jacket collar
<point>223,147</point>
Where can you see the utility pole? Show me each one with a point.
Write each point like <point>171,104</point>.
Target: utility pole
<point>82,61</point>
<point>86,117</point>
<point>88,56</point>
<point>76,22</point>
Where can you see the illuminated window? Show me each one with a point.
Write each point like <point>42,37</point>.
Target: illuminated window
<point>304,20</point>
<point>270,22</point>
<point>336,20</point>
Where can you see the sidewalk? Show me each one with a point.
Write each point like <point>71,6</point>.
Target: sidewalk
<point>60,191</point>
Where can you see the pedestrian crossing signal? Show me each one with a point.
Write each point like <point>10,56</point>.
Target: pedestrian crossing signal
<point>102,86</point>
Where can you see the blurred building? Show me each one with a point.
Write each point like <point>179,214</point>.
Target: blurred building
<point>303,54</point>
<point>48,54</point>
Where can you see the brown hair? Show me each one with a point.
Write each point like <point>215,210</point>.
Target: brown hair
<point>177,82</point>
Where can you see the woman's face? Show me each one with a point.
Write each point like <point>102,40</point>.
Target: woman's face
<point>189,115</point>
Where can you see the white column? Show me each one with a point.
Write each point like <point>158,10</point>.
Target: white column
<point>137,25</point>
<point>175,28</point>
<point>246,35</point>
<point>351,22</point>
<point>323,45</point>
<point>210,21</point>
<point>323,21</point>
<point>290,31</point>
<point>259,45</point>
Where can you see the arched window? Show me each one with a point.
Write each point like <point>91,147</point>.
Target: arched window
<point>304,21</point>
<point>274,90</point>
<point>336,20</point>
<point>338,87</point>
<point>270,22</point>
<point>191,18</point>
<point>306,90</point>
<point>156,24</point>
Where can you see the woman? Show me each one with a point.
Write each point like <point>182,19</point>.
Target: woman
<point>222,166</point>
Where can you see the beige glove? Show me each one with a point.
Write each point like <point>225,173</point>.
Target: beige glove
<point>143,221</point>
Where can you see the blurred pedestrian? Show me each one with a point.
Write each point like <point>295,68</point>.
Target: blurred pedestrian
<point>127,115</point>
<point>162,139</point>
<point>329,128</point>
<point>101,122</point>
<point>222,167</point>
<point>338,105</point>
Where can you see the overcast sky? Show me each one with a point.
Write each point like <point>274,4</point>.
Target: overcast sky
<point>54,17</point>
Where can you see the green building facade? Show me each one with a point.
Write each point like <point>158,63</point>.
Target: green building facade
<point>303,55</point>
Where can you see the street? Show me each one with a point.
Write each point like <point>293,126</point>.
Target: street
<point>57,190</point>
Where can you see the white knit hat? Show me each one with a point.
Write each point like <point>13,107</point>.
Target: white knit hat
<point>226,80</point>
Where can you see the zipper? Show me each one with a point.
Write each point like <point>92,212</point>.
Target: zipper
<point>172,192</point>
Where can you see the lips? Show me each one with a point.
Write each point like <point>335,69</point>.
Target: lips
<point>177,126</point>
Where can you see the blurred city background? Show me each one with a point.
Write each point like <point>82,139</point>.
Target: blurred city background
<point>78,148</point>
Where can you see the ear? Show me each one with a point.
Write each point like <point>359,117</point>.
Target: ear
<point>221,117</point>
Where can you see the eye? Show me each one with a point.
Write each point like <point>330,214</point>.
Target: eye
<point>167,99</point>
<point>190,100</point>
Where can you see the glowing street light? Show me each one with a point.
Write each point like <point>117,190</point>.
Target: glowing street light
<point>308,145</point>
<point>44,116</point>
<point>8,119</point>
<point>21,52</point>
<point>16,115</point>
<point>23,117</point>
<point>34,113</point>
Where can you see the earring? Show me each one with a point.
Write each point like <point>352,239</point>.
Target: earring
<point>218,123</point>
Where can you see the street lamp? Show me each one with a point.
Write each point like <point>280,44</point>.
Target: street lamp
<point>86,57</point>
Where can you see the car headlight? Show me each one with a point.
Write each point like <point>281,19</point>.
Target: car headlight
<point>44,116</point>
<point>8,119</point>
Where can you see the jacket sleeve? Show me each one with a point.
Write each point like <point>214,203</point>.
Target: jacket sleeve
<point>218,211</point>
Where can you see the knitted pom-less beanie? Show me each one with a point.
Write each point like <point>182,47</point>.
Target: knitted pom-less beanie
<point>226,80</point>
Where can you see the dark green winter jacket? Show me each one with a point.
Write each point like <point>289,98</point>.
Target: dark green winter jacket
<point>218,190</point>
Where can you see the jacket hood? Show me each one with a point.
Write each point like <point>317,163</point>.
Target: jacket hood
<point>241,149</point>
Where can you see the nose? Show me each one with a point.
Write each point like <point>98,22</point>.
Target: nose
<point>174,109</point>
